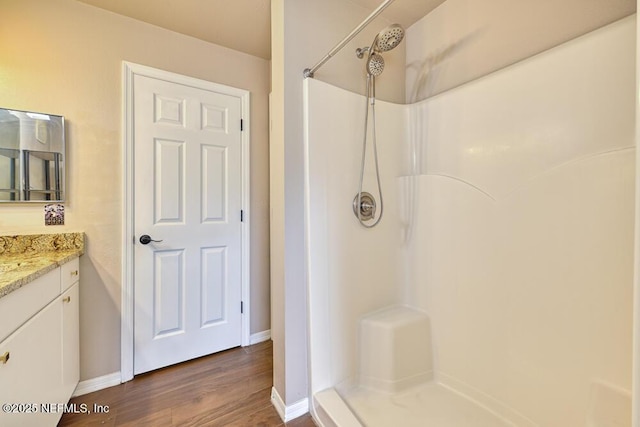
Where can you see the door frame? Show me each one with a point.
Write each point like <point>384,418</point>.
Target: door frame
<point>129,70</point>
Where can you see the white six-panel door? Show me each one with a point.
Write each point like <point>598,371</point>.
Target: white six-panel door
<point>188,197</point>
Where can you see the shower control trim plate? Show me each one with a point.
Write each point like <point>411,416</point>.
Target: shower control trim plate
<point>367,206</point>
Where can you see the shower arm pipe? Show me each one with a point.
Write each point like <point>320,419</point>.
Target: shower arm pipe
<point>309,72</point>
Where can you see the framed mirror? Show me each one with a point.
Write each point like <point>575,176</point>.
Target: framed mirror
<point>32,157</point>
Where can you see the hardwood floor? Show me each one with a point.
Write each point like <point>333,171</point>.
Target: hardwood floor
<point>230,388</point>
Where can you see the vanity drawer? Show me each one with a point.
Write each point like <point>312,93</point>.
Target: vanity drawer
<point>21,304</point>
<point>69,274</point>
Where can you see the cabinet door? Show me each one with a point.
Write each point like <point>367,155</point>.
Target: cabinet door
<point>31,376</point>
<point>70,340</point>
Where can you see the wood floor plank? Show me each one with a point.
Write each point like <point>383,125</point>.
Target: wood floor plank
<point>222,399</point>
<point>160,418</point>
<point>230,412</point>
<point>265,417</point>
<point>230,388</point>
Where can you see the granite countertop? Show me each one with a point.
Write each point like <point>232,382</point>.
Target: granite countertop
<point>24,258</point>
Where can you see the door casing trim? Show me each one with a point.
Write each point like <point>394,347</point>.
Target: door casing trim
<point>129,70</point>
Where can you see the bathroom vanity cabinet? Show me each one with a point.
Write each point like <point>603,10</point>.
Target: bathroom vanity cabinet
<point>39,348</point>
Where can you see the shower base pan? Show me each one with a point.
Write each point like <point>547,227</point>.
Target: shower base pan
<point>427,405</point>
<point>396,384</point>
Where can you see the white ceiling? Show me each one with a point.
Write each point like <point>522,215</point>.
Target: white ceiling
<point>242,25</point>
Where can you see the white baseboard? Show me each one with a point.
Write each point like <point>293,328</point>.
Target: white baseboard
<point>288,413</point>
<point>95,384</point>
<point>260,337</point>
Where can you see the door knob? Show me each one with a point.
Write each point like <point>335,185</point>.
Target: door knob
<point>145,239</point>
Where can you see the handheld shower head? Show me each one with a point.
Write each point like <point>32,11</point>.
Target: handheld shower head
<point>375,64</point>
<point>385,40</point>
<point>388,38</point>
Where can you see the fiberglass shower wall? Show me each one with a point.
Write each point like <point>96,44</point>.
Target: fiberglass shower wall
<point>352,270</point>
<point>513,231</point>
<point>522,250</point>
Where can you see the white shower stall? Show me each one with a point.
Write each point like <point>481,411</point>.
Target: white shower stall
<point>498,287</point>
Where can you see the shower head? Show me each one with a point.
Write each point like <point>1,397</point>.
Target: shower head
<point>388,38</point>
<point>375,64</point>
<point>385,40</point>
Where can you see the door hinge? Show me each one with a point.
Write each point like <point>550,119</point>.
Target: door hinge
<point>241,307</point>
<point>241,125</point>
<point>241,215</point>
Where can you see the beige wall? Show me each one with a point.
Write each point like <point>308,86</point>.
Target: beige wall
<point>276,183</point>
<point>313,28</point>
<point>462,40</point>
<point>65,57</point>
<point>635,384</point>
